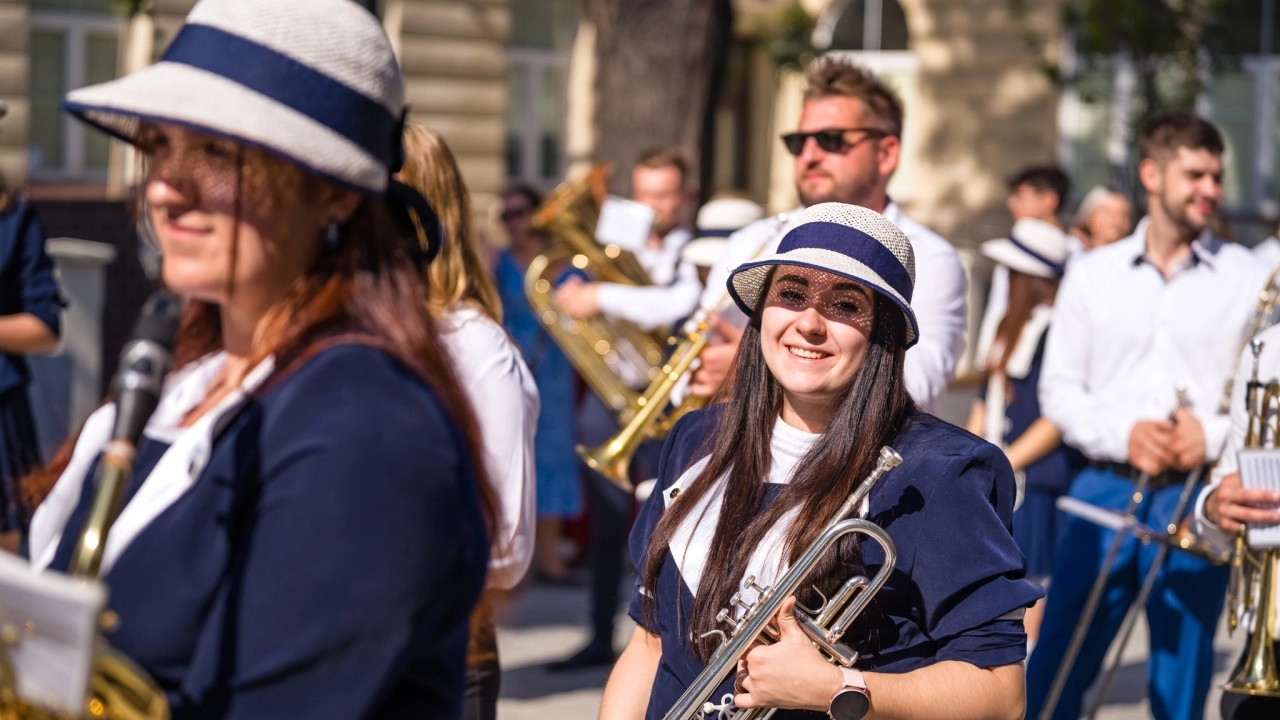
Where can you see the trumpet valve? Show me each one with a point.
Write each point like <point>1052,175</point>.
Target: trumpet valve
<point>749,583</point>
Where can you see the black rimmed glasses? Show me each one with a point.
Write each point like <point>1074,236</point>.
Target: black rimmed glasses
<point>831,140</point>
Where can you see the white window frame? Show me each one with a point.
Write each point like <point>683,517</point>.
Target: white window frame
<point>76,27</point>
<point>535,62</point>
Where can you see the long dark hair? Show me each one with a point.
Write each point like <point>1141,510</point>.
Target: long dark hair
<point>870,415</point>
<point>370,290</point>
<point>1025,293</point>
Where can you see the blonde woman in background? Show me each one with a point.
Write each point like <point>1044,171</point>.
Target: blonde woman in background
<point>500,387</point>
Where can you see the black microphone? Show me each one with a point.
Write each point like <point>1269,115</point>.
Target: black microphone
<point>143,364</point>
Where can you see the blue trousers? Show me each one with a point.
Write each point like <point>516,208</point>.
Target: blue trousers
<point>1182,611</point>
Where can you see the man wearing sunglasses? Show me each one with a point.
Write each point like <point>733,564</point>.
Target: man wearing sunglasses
<point>846,148</point>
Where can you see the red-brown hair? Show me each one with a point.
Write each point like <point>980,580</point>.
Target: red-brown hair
<point>369,290</point>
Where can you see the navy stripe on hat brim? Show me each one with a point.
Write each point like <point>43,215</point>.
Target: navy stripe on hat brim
<point>717,232</point>
<point>853,243</point>
<point>764,266</point>
<point>356,117</point>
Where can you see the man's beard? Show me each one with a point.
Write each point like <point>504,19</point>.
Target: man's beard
<point>854,194</point>
<point>1180,217</point>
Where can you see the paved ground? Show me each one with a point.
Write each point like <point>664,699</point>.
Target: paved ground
<point>544,623</point>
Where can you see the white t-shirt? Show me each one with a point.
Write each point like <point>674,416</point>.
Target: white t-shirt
<point>505,400</point>
<point>691,543</point>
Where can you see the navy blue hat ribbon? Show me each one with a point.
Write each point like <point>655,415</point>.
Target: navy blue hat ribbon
<point>360,119</point>
<point>1058,268</point>
<point>716,233</point>
<point>855,244</point>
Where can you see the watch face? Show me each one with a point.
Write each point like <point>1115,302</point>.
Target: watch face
<point>850,705</point>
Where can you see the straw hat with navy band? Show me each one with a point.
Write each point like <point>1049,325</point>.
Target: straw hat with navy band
<point>315,82</point>
<point>845,240</point>
<point>1034,247</point>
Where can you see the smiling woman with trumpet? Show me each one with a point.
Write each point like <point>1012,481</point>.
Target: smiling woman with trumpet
<point>801,457</point>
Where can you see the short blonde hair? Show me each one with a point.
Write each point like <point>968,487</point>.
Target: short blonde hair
<point>457,274</point>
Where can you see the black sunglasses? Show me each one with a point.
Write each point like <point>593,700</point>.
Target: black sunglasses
<point>831,140</point>
<point>516,213</point>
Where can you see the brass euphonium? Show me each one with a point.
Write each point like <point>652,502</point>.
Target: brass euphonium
<point>825,625</point>
<point>612,459</point>
<point>1253,573</point>
<point>613,356</point>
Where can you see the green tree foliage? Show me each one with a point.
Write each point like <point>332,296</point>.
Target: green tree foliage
<point>1173,44</point>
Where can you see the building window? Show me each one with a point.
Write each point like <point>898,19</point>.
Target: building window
<point>873,33</point>
<point>73,43</point>
<point>1097,118</point>
<point>537,77</point>
<point>867,25</point>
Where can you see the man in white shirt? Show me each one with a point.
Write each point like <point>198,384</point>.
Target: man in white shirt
<point>657,180</point>
<point>846,149</point>
<point>1225,505</point>
<point>1163,308</point>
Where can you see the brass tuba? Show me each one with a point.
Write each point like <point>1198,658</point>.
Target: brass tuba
<point>1253,573</point>
<point>613,356</point>
<point>825,625</point>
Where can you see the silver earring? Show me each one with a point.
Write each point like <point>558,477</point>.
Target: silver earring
<point>333,234</point>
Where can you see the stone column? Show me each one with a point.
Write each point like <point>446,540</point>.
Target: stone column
<point>15,35</point>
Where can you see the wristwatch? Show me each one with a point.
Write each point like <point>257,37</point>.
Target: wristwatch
<point>852,700</point>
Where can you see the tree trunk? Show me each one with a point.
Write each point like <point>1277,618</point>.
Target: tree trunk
<point>658,68</point>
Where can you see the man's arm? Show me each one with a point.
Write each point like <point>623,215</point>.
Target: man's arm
<point>938,301</point>
<point>653,306</point>
<point>1065,396</point>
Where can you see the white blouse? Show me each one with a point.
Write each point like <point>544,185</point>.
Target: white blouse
<point>505,400</point>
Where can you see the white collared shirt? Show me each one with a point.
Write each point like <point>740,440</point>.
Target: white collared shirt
<point>938,298</point>
<point>673,294</point>
<point>1268,252</point>
<point>1123,337</point>
<point>505,400</point>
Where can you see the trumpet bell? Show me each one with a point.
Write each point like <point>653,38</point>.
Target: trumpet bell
<point>610,460</point>
<point>1259,674</point>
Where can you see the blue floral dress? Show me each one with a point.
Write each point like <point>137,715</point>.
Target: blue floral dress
<point>559,487</point>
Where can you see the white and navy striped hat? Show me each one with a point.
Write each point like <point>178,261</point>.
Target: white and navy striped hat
<point>717,220</point>
<point>846,240</point>
<point>313,81</point>
<point>1034,247</point>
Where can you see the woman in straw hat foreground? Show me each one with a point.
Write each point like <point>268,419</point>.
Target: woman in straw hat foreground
<point>746,486</point>
<point>307,529</point>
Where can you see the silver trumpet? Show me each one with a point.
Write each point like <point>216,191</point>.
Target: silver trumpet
<point>824,625</point>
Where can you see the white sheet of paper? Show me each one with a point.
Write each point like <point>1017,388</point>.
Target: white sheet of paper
<point>624,223</point>
<point>1260,469</point>
<point>56,619</point>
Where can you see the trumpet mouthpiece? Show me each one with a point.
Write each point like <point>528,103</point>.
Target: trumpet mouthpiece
<point>889,458</point>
